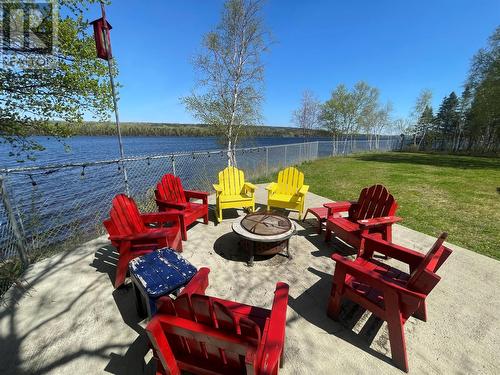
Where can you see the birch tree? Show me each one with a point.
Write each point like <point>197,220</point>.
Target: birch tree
<point>422,104</point>
<point>345,113</point>
<point>307,115</point>
<point>229,91</point>
<point>381,120</point>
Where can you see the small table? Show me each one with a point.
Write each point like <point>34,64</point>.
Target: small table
<point>157,274</point>
<point>321,214</point>
<point>264,233</point>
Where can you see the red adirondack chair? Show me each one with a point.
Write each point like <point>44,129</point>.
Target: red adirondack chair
<point>208,335</point>
<point>373,213</point>
<point>170,195</point>
<point>129,232</point>
<point>387,292</point>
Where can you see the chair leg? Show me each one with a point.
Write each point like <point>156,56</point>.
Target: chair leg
<point>334,304</point>
<point>121,270</point>
<point>184,235</point>
<point>387,233</point>
<point>397,340</point>
<point>328,233</point>
<point>304,218</point>
<point>219,216</point>
<point>421,312</point>
<point>205,218</point>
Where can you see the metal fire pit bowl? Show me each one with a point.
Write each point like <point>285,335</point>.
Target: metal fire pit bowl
<point>264,233</point>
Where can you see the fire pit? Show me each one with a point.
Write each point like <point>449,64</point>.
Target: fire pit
<point>264,233</point>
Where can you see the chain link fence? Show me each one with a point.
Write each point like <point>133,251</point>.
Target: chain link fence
<point>48,209</point>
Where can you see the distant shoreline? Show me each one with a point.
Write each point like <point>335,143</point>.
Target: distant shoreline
<point>172,129</point>
<point>146,129</point>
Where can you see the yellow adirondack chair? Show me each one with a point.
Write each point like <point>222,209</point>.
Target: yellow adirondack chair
<point>289,192</point>
<point>233,192</point>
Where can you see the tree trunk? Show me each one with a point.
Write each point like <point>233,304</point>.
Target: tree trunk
<point>422,140</point>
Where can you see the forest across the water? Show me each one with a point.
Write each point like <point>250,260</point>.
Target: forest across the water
<point>176,129</point>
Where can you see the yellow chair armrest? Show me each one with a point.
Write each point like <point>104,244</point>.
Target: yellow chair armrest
<point>272,187</point>
<point>249,186</point>
<point>303,190</point>
<point>218,189</point>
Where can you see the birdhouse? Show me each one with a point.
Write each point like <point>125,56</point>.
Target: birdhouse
<point>102,40</point>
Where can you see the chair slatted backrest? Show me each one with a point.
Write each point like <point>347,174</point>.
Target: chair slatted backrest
<point>125,216</point>
<point>210,323</point>
<point>170,189</point>
<point>374,201</point>
<point>423,278</point>
<point>290,180</point>
<point>232,180</point>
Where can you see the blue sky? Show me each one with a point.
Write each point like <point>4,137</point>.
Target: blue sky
<point>400,47</point>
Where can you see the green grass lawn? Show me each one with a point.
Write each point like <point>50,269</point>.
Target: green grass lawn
<point>435,193</point>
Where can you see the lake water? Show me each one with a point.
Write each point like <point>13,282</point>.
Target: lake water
<point>83,148</point>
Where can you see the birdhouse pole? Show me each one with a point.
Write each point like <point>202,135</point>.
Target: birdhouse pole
<point>107,46</point>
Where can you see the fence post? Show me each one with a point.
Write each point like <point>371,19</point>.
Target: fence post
<point>173,165</point>
<point>21,246</point>
<point>267,161</point>
<point>285,154</point>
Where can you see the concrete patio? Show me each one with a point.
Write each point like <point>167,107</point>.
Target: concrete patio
<point>70,320</point>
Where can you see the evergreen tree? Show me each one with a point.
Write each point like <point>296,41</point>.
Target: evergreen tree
<point>424,126</point>
<point>464,110</point>
<point>483,119</point>
<point>447,119</point>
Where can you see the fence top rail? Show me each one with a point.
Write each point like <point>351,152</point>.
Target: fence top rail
<point>138,158</point>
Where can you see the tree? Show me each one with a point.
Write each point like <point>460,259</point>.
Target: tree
<point>307,115</point>
<point>421,128</point>
<point>464,107</point>
<point>447,119</point>
<point>381,121</point>
<point>40,101</point>
<point>345,113</point>
<point>229,93</point>
<point>483,124</point>
<point>401,127</point>
<point>424,125</point>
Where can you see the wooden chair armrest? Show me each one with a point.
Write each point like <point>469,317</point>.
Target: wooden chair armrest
<point>275,339</point>
<point>161,217</point>
<point>165,204</point>
<point>272,187</point>
<point>249,186</point>
<point>138,237</point>
<point>193,194</point>
<point>403,254</point>
<point>303,190</point>
<point>198,284</point>
<point>376,221</point>
<point>335,207</point>
<point>372,278</point>
<point>218,189</point>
